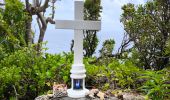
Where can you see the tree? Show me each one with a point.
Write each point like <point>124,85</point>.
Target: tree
<point>39,9</point>
<point>17,18</point>
<point>92,10</point>
<point>12,25</point>
<point>107,48</point>
<point>106,55</point>
<point>148,28</point>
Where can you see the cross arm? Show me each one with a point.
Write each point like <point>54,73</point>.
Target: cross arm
<point>78,24</point>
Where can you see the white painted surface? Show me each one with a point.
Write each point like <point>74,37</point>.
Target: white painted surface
<point>78,24</point>
<point>78,34</point>
<point>78,70</point>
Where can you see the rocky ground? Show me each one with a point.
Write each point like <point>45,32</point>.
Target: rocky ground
<point>44,97</point>
<point>123,96</point>
<point>60,93</point>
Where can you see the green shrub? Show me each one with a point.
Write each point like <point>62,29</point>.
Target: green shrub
<point>124,73</point>
<point>118,74</point>
<point>94,73</point>
<point>32,75</point>
<point>157,86</point>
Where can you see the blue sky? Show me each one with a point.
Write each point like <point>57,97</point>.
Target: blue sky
<point>60,40</point>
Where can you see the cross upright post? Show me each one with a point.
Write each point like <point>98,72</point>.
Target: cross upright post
<point>78,34</point>
<point>78,71</point>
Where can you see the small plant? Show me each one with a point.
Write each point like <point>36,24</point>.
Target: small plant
<point>156,86</point>
<point>124,73</point>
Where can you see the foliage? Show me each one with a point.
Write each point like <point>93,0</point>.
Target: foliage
<point>123,74</point>
<point>106,52</point>
<point>93,78</point>
<point>16,19</point>
<point>107,48</point>
<point>157,85</point>
<point>25,75</point>
<point>147,27</point>
<point>34,75</point>
<point>92,10</point>
<point>118,74</point>
<point>31,74</point>
<point>12,24</point>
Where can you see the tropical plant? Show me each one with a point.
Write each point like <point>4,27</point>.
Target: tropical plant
<point>157,85</point>
<point>32,75</point>
<point>147,27</point>
<point>124,74</point>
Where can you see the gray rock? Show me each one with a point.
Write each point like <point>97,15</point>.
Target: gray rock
<point>133,97</point>
<point>43,97</point>
<point>46,97</point>
<point>68,98</point>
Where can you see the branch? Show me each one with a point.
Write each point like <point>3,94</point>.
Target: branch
<point>49,19</point>
<point>16,94</point>
<point>42,19</point>
<point>42,8</point>
<point>39,24</point>
<point>53,9</point>
<point>27,4</point>
<point>2,4</point>
<point>125,43</point>
<point>117,55</point>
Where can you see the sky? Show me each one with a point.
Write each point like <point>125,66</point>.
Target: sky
<point>59,40</point>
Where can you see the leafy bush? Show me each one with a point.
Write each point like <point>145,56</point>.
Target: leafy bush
<point>26,75</point>
<point>157,86</point>
<point>124,73</point>
<point>30,74</point>
<point>94,73</point>
<point>118,74</point>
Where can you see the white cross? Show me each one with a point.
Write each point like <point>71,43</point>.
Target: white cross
<point>78,25</point>
<point>78,70</point>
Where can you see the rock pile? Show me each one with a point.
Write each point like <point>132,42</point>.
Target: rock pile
<point>60,93</point>
<point>95,93</point>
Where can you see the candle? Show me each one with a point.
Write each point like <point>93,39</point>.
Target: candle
<point>77,84</point>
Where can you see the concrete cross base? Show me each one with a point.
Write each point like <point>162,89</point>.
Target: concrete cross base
<point>77,93</point>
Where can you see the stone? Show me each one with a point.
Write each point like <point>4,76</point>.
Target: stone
<point>101,95</point>
<point>92,93</point>
<point>43,97</point>
<point>68,98</point>
<point>59,90</point>
<point>130,96</point>
<point>120,96</point>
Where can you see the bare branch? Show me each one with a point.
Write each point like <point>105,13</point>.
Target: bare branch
<point>42,19</point>
<point>27,4</point>
<point>53,9</point>
<point>39,24</point>
<point>2,4</point>
<point>43,8</point>
<point>50,20</point>
<point>16,94</point>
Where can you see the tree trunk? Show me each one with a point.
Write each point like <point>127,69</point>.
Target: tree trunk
<point>41,38</point>
<point>29,37</point>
